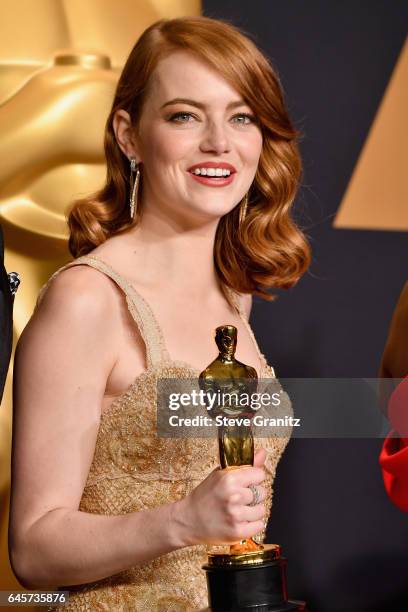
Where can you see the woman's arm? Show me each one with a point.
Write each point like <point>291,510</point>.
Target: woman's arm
<point>63,360</point>
<point>394,453</point>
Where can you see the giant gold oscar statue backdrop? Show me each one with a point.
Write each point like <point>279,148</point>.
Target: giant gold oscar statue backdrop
<point>377,194</point>
<point>59,64</point>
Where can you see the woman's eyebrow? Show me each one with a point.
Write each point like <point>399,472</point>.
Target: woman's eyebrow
<point>200,104</point>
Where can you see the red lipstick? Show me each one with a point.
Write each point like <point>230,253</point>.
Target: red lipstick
<point>213,181</point>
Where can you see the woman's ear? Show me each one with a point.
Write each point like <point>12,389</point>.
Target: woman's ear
<point>122,126</point>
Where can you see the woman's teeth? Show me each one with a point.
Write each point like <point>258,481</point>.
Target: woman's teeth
<point>211,171</point>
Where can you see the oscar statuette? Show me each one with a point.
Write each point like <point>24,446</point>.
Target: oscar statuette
<point>246,575</point>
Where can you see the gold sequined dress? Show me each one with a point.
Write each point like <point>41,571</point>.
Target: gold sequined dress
<point>133,470</point>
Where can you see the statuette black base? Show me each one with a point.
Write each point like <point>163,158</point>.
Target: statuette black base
<point>249,588</point>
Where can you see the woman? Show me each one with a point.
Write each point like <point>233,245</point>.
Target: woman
<point>394,452</point>
<point>99,501</point>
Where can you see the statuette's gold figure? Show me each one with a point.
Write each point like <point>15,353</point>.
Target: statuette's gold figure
<point>230,379</point>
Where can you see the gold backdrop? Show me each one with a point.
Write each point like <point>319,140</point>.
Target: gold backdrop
<point>59,64</point>
<point>377,194</point>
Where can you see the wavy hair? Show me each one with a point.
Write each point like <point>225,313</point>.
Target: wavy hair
<point>268,250</point>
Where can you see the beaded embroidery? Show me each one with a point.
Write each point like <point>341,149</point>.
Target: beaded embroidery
<point>133,470</point>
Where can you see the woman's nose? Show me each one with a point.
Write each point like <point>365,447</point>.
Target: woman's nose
<point>215,139</point>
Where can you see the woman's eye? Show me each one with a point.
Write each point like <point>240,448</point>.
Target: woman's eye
<point>251,118</point>
<point>184,117</point>
<point>178,116</point>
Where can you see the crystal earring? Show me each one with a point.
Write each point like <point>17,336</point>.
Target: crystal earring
<point>243,209</point>
<point>134,186</point>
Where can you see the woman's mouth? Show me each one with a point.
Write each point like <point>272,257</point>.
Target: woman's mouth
<point>213,177</point>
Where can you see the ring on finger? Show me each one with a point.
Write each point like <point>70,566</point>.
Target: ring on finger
<point>256,495</point>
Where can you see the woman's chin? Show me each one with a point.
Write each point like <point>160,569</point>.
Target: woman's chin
<point>211,210</point>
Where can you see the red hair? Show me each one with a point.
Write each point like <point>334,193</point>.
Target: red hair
<point>269,250</point>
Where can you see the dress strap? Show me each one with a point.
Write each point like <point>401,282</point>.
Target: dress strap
<point>139,309</point>
<point>235,299</point>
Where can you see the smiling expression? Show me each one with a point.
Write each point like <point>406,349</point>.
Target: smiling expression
<point>198,140</point>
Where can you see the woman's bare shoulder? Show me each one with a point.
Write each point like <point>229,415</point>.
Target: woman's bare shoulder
<point>79,287</point>
<point>78,300</point>
<point>74,326</point>
<point>246,303</point>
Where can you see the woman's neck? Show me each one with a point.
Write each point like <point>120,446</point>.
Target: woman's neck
<point>174,254</point>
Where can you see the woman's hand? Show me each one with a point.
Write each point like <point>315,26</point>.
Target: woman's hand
<point>218,510</point>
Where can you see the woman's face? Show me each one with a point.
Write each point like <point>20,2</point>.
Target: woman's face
<point>212,125</point>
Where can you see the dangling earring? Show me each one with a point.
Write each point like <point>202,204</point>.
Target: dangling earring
<point>243,209</point>
<point>134,186</point>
